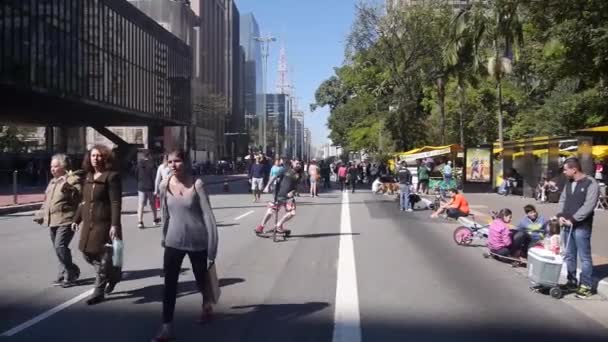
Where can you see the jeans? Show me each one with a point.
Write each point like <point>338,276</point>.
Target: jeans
<point>173,259</point>
<point>580,245</point>
<point>61,237</point>
<point>404,196</point>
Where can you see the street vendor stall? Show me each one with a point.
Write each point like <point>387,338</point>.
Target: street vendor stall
<point>434,157</point>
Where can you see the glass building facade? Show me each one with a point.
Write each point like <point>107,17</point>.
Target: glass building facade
<point>253,87</point>
<point>99,53</point>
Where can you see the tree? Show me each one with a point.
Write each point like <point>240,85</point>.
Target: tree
<point>14,138</point>
<point>495,24</point>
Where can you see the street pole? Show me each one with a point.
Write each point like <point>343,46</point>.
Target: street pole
<point>265,41</point>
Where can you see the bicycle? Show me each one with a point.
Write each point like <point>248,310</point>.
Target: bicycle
<point>471,230</point>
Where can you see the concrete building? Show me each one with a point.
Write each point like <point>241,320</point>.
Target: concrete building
<point>214,68</point>
<point>328,150</point>
<point>297,132</point>
<point>237,137</point>
<point>307,144</point>
<point>177,18</point>
<point>253,86</point>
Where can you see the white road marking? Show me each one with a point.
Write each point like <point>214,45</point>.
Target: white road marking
<point>46,314</point>
<point>245,214</point>
<point>346,316</point>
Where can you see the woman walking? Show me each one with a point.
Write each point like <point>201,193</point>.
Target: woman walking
<point>189,228</point>
<point>99,217</point>
<point>61,200</point>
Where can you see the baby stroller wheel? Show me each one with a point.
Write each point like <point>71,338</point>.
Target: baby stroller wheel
<point>556,292</point>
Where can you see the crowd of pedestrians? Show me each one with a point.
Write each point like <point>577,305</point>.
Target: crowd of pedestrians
<point>90,201</point>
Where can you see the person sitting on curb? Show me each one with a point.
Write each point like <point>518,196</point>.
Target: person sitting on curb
<point>505,242</point>
<point>533,224</point>
<point>457,207</point>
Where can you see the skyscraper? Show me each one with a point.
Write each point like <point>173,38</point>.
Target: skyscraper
<point>254,89</point>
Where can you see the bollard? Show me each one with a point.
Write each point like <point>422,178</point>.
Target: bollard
<point>15,176</point>
<point>226,186</point>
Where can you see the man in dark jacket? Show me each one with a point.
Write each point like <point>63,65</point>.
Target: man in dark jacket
<point>405,181</point>
<point>146,175</point>
<point>576,208</point>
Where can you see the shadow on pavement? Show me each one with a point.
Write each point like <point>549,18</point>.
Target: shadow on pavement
<point>600,272</point>
<point>143,274</point>
<point>227,224</point>
<point>154,293</point>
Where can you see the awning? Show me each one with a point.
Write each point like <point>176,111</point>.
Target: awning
<point>598,129</point>
<point>598,152</point>
<point>425,152</point>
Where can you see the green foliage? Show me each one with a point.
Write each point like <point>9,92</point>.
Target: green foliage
<point>14,138</point>
<point>413,77</point>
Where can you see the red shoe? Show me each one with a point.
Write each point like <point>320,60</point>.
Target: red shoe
<point>259,229</point>
<point>206,315</point>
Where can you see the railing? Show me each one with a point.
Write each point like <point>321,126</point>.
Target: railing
<point>21,187</point>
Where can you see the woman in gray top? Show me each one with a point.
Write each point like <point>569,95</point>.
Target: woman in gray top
<point>188,228</point>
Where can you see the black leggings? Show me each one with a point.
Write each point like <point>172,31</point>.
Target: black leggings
<point>173,263</point>
<point>519,246</point>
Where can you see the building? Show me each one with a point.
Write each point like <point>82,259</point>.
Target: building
<point>253,86</point>
<point>297,132</point>
<point>279,115</point>
<point>307,145</point>
<point>237,136</point>
<point>90,63</point>
<point>329,150</point>
<point>456,4</point>
<point>177,18</point>
<point>214,70</point>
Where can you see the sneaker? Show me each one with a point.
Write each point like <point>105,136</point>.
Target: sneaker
<point>72,280</point>
<point>281,230</point>
<point>157,222</point>
<point>410,210</point>
<point>140,225</point>
<point>259,229</point>
<point>110,287</point>
<point>584,292</point>
<point>58,281</point>
<point>571,285</point>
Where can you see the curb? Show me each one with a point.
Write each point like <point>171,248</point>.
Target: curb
<point>20,208</point>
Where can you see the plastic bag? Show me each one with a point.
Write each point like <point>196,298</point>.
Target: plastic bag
<point>117,252</point>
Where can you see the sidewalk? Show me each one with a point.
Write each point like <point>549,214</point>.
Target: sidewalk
<point>33,201</point>
<point>482,204</point>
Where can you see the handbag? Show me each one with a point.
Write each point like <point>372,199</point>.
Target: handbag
<point>157,202</point>
<point>212,284</point>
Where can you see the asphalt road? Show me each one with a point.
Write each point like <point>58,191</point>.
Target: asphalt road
<point>412,283</point>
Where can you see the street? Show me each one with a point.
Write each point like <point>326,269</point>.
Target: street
<point>408,281</point>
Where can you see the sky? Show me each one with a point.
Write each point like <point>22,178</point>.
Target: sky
<point>314,35</point>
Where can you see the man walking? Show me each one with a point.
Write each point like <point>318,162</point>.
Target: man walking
<point>257,174</point>
<point>146,177</point>
<point>405,181</point>
<point>576,209</point>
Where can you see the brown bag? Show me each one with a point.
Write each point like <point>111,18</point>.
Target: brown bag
<point>212,285</point>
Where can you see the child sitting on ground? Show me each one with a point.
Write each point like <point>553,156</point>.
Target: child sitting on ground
<point>553,240</point>
<point>504,242</point>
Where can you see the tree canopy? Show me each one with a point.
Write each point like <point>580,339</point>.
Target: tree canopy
<point>424,74</point>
